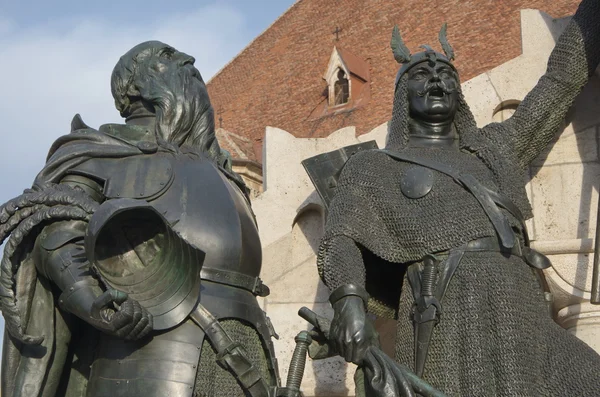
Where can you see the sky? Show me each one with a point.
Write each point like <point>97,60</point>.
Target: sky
<point>56,58</point>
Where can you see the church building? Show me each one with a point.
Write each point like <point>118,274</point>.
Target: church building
<point>324,65</point>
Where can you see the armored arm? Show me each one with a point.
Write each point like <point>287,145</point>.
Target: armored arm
<point>61,258</point>
<point>574,59</point>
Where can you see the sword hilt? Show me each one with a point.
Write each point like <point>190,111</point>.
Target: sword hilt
<point>429,275</point>
<point>298,362</point>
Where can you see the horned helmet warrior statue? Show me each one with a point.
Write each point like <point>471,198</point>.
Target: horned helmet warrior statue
<point>398,131</point>
<point>407,60</point>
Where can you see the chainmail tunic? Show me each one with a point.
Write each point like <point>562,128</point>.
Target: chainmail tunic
<point>445,218</point>
<point>495,336</point>
<point>212,380</point>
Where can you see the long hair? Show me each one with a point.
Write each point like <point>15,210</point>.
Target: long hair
<point>184,114</point>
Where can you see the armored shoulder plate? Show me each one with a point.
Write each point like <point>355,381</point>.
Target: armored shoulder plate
<point>145,176</point>
<point>324,169</point>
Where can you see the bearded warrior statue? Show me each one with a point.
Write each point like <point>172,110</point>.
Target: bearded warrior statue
<point>430,230</point>
<point>132,266</point>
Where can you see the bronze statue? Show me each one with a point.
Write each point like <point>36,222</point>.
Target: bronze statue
<point>430,230</point>
<point>132,266</point>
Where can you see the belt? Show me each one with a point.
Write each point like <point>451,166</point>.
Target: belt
<point>533,258</point>
<point>492,244</point>
<point>428,295</point>
<point>235,279</point>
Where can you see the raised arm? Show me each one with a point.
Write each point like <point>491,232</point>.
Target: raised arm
<point>574,59</point>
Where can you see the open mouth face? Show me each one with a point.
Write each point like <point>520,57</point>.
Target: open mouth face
<point>432,91</point>
<point>436,93</point>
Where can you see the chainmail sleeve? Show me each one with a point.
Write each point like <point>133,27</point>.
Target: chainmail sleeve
<point>574,59</point>
<point>340,262</point>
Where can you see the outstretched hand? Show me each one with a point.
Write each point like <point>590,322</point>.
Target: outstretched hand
<point>116,314</point>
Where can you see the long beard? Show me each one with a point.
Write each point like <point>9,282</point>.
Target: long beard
<point>184,115</point>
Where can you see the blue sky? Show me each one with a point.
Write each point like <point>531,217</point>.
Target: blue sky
<point>56,58</point>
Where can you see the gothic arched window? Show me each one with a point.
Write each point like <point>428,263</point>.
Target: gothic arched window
<point>341,89</point>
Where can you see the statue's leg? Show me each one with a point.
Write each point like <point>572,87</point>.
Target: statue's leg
<point>572,367</point>
<point>245,323</point>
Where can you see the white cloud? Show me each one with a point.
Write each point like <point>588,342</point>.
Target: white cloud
<point>48,73</point>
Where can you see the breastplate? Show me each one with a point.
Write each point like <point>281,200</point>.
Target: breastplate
<point>211,213</point>
<point>200,203</point>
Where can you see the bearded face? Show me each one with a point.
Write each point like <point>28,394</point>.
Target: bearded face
<point>432,92</point>
<point>175,87</point>
<point>167,80</point>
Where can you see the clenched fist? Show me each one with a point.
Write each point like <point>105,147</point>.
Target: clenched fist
<point>116,314</point>
<point>352,332</point>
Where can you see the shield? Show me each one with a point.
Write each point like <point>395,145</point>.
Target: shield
<point>133,249</point>
<point>324,169</point>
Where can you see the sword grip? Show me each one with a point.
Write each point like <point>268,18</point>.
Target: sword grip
<point>298,362</point>
<point>428,275</point>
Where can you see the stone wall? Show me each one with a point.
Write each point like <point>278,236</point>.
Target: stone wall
<point>291,221</point>
<point>562,188</point>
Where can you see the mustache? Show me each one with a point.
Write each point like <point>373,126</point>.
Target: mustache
<point>438,85</point>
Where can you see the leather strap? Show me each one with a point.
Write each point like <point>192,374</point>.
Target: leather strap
<point>492,244</point>
<point>447,271</point>
<point>231,355</point>
<point>507,204</point>
<point>533,258</point>
<point>480,192</point>
<point>235,279</point>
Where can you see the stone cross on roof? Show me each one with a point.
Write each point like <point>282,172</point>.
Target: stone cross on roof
<point>336,32</point>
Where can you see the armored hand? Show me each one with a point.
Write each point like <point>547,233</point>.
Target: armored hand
<point>116,314</point>
<point>352,332</point>
<point>62,259</point>
<point>112,312</point>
